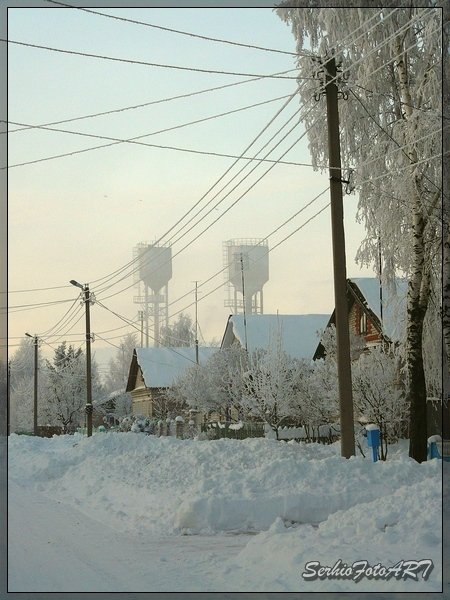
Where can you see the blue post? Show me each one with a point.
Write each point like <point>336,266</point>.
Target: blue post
<point>373,440</point>
<point>433,450</point>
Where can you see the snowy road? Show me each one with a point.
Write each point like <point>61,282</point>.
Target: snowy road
<point>106,513</point>
<point>54,548</point>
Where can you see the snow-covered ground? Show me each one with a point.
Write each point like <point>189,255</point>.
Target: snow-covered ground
<point>129,512</point>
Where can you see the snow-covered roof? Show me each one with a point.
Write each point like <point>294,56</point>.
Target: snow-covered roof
<point>299,333</point>
<point>394,303</point>
<point>161,366</point>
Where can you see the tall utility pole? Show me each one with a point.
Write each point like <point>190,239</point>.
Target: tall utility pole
<point>8,408</point>
<point>196,321</point>
<point>87,302</point>
<point>35,397</point>
<point>339,266</point>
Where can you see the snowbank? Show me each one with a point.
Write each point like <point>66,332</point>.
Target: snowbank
<point>307,501</point>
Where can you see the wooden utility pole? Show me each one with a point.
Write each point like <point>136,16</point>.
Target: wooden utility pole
<point>89,407</point>
<point>339,266</point>
<point>35,397</point>
<point>8,408</point>
<point>196,321</point>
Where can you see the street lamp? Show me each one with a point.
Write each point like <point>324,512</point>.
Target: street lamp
<point>35,403</point>
<point>87,302</point>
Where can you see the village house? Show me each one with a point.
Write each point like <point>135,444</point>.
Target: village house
<point>299,334</point>
<point>370,314</point>
<point>153,370</point>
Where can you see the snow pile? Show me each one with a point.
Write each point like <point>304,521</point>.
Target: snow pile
<point>304,501</point>
<point>400,526</point>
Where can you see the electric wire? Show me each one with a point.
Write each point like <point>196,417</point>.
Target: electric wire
<point>165,130</point>
<point>135,140</point>
<point>142,105</point>
<point>63,318</point>
<point>205,295</point>
<point>390,13</point>
<point>255,139</point>
<point>151,64</point>
<point>211,209</point>
<point>220,216</point>
<point>118,141</point>
<point>255,158</point>
<point>433,157</point>
<point>229,208</point>
<point>150,336</point>
<point>266,238</point>
<point>177,31</point>
<point>130,141</point>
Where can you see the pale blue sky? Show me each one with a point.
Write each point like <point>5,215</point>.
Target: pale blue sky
<point>79,217</point>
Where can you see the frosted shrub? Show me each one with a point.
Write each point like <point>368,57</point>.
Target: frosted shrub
<point>379,396</point>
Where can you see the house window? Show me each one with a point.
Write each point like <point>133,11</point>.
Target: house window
<point>363,323</point>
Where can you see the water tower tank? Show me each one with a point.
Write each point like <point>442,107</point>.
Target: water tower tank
<point>247,263</point>
<point>155,265</point>
<point>154,271</point>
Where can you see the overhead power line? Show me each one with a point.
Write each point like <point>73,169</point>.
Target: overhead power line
<point>142,105</point>
<point>269,235</point>
<point>150,64</point>
<point>194,206</point>
<point>205,295</point>
<point>129,141</point>
<point>138,329</point>
<point>388,15</point>
<point>177,31</point>
<point>134,140</point>
<point>226,210</point>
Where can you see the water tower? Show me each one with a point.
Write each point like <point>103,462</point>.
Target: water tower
<point>154,271</point>
<point>247,270</point>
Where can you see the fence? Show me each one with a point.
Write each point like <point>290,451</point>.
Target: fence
<point>238,431</point>
<point>324,434</point>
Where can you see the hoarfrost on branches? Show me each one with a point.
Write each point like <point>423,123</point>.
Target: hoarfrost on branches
<point>379,395</point>
<point>391,135</point>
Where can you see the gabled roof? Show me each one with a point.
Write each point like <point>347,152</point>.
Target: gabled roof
<point>366,292</point>
<point>394,303</point>
<point>161,366</point>
<point>299,333</point>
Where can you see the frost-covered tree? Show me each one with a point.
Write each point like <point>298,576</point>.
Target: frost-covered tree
<point>66,387</point>
<point>216,385</point>
<point>225,370</point>
<point>116,378</point>
<point>193,389</point>
<point>269,385</point>
<point>316,400</point>
<point>180,333</point>
<point>64,398</point>
<point>391,134</point>
<point>379,395</point>
<point>22,386</point>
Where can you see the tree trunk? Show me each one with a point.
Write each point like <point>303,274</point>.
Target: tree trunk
<point>417,393</point>
<point>418,295</point>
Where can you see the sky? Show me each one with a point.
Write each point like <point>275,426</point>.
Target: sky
<point>80,216</point>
